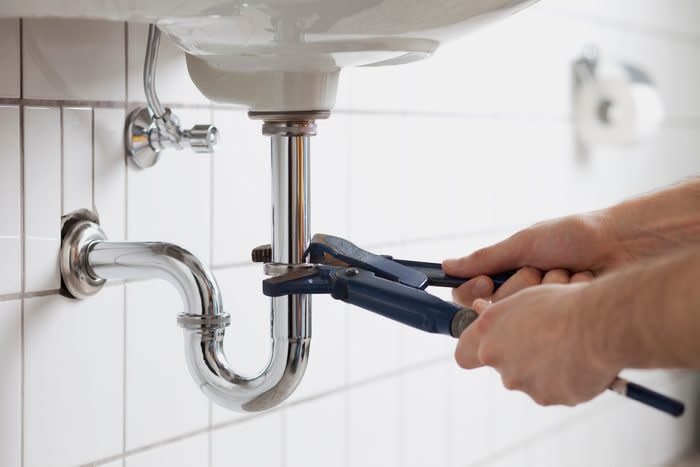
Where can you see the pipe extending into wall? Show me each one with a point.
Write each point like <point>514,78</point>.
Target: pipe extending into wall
<point>88,259</point>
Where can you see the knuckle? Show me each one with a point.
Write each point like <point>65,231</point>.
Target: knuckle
<point>463,361</point>
<point>484,322</point>
<point>480,255</point>
<point>488,355</point>
<point>543,400</point>
<point>511,382</point>
<point>531,275</point>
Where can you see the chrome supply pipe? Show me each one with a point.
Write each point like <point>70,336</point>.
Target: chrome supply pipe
<point>149,72</point>
<point>88,260</point>
<point>151,129</point>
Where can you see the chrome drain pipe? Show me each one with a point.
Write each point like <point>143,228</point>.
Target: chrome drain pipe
<point>88,260</point>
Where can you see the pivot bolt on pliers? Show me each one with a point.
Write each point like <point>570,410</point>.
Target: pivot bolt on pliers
<point>395,289</point>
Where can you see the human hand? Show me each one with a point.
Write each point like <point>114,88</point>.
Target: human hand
<point>538,340</point>
<point>570,249</point>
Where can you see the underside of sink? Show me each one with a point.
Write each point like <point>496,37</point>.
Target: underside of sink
<point>286,54</point>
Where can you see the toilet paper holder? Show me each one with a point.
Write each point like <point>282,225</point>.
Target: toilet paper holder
<point>614,104</point>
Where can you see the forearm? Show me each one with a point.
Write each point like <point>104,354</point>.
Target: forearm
<point>647,315</point>
<point>657,222</point>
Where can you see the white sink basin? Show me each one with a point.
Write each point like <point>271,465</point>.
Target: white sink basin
<point>286,54</point>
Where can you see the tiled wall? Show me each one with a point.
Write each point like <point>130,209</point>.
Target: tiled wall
<point>424,161</point>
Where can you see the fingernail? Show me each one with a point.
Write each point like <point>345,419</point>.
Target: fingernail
<point>448,263</point>
<point>482,287</point>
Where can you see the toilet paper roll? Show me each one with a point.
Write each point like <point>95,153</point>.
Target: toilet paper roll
<point>620,106</point>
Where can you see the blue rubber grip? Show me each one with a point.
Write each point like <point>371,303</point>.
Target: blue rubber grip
<point>654,399</point>
<point>407,305</point>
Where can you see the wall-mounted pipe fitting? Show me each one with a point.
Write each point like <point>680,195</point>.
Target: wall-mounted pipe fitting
<point>151,129</point>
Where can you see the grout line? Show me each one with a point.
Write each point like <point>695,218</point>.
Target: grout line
<point>126,64</point>
<point>92,151</point>
<point>124,395</point>
<point>22,247</point>
<point>210,407</point>
<point>63,157</point>
<point>680,121</point>
<point>25,295</point>
<point>125,340</point>
<point>238,421</point>
<point>148,447</point>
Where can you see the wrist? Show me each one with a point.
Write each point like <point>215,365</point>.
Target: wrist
<point>597,327</point>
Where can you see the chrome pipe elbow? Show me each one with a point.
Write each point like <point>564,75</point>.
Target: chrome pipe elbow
<point>88,260</point>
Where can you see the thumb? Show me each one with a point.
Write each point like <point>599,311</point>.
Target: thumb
<point>478,287</point>
<point>502,256</point>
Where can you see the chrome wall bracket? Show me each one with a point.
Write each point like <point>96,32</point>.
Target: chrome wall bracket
<point>149,130</point>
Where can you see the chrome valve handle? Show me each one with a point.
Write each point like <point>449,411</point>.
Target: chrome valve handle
<point>153,128</point>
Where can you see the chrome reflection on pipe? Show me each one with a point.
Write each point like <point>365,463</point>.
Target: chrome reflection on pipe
<point>88,259</point>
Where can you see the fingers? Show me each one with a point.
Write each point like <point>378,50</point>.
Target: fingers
<point>525,277</point>
<point>585,276</point>
<point>467,351</point>
<point>479,287</point>
<point>503,256</point>
<point>556,276</point>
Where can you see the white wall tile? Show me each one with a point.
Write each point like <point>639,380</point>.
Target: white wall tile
<point>77,159</point>
<point>110,171</point>
<point>375,183</point>
<point>373,345</point>
<point>42,197</point>
<point>172,78</point>
<point>162,400</point>
<point>320,440</point>
<point>654,16</point>
<point>330,150</point>
<point>506,69</point>
<point>255,442</point>
<point>472,143</point>
<point>424,416</point>
<point>9,57</point>
<point>469,438</point>
<point>74,364</point>
<point>374,424</point>
<point>172,194</point>
<point>11,387</point>
<point>242,212</point>
<point>117,463</point>
<point>10,271</point>
<point>189,452</point>
<point>73,59</point>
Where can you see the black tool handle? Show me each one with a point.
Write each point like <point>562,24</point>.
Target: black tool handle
<point>438,278</point>
<point>648,397</point>
<point>466,316</point>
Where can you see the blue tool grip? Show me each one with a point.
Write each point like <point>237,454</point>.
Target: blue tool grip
<point>654,399</point>
<point>407,305</point>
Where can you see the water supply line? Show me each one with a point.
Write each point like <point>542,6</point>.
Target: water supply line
<point>152,128</point>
